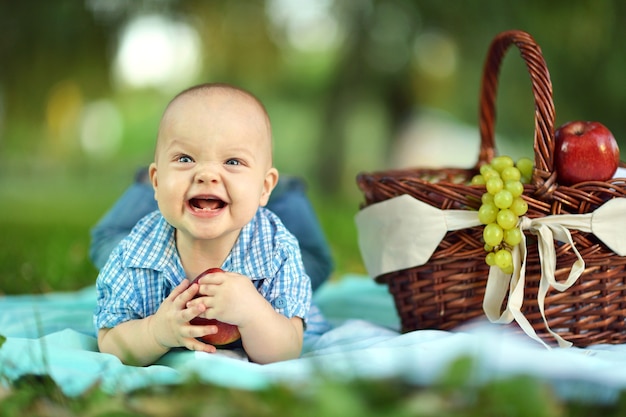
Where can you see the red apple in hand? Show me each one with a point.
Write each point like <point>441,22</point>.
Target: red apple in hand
<point>584,151</point>
<point>226,333</point>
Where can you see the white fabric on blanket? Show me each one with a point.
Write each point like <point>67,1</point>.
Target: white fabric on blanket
<point>52,334</point>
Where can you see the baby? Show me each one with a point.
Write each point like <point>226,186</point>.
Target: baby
<point>212,175</point>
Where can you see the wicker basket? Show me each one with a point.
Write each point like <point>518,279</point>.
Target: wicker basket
<point>448,290</point>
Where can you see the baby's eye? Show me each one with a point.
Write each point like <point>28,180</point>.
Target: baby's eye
<point>185,159</point>
<point>233,162</point>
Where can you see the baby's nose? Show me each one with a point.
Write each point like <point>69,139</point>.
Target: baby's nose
<point>206,173</point>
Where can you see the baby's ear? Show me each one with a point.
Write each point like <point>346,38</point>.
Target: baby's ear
<point>271,179</point>
<point>152,172</point>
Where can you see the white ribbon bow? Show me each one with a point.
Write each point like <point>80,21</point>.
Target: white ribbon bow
<point>404,232</point>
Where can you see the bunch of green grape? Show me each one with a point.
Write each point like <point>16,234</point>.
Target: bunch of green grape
<point>501,207</point>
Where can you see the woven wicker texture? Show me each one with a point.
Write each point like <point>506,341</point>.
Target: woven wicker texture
<point>448,291</point>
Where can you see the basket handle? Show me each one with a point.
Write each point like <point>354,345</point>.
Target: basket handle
<point>544,176</point>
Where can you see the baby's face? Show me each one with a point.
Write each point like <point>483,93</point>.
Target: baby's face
<point>213,164</point>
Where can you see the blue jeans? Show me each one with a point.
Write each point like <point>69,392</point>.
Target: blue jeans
<point>288,201</point>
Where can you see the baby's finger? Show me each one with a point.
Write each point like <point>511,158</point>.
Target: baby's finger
<point>214,278</point>
<point>196,345</point>
<point>206,300</point>
<point>195,332</point>
<point>179,289</point>
<point>198,329</point>
<point>183,297</point>
<point>191,311</point>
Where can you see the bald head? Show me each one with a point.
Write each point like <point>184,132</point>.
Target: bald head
<point>217,89</point>
<point>212,100</point>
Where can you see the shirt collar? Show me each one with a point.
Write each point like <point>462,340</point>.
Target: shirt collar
<point>254,251</point>
<point>154,238</point>
<point>252,255</point>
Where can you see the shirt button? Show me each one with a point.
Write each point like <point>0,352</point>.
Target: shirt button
<point>280,302</point>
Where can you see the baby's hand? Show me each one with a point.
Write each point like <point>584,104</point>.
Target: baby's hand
<point>266,335</point>
<point>227,296</point>
<point>170,324</point>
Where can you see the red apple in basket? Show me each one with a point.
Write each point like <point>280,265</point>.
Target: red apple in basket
<point>226,333</point>
<point>584,151</point>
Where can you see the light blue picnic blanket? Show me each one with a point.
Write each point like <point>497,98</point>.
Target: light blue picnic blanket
<point>53,334</point>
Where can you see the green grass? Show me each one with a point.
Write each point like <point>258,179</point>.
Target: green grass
<point>49,257</point>
<point>451,396</point>
<point>45,221</point>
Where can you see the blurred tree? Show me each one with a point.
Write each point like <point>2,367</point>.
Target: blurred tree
<point>44,43</point>
<point>373,66</point>
<point>237,43</point>
<point>56,54</point>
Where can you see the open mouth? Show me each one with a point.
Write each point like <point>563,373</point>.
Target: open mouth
<point>207,204</point>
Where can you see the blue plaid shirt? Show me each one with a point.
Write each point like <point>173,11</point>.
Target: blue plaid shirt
<point>145,267</point>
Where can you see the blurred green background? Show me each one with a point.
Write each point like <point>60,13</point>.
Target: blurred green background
<point>350,85</point>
